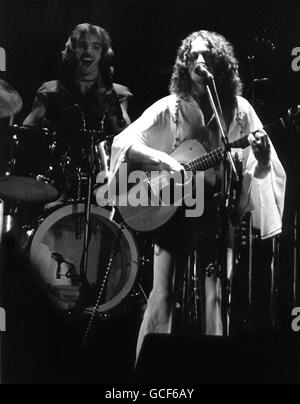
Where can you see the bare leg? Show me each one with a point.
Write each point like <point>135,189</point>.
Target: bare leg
<point>213,306</point>
<point>158,314</point>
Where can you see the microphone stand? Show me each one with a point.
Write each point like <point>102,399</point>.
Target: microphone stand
<point>88,202</point>
<point>224,223</point>
<point>220,121</point>
<point>87,209</point>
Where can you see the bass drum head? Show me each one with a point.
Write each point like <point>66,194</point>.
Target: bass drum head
<point>56,252</point>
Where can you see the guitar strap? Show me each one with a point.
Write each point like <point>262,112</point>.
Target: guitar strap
<point>174,122</point>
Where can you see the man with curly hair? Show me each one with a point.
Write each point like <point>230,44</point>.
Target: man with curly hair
<point>84,98</point>
<point>187,114</point>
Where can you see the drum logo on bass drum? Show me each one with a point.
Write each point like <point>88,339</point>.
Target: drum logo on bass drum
<point>2,60</point>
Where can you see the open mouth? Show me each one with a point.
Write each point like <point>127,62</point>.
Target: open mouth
<point>87,62</point>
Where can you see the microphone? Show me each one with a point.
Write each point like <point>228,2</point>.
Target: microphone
<point>201,70</point>
<point>57,257</point>
<point>71,274</point>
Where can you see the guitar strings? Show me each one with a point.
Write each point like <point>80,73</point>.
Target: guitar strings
<point>203,162</point>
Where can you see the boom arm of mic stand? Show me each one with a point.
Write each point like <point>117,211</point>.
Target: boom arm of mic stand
<point>220,126</point>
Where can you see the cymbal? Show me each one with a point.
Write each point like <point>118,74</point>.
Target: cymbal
<point>10,101</point>
<point>26,189</point>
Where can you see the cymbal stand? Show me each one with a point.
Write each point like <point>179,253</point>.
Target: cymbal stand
<point>274,281</point>
<point>88,202</point>
<point>295,257</point>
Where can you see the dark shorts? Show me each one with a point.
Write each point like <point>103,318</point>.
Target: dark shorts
<point>185,233</point>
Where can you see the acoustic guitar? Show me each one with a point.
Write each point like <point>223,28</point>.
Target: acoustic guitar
<point>149,215</point>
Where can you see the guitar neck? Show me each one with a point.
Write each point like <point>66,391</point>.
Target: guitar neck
<point>214,157</point>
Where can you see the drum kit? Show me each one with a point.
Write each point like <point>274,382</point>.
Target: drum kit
<point>86,262</point>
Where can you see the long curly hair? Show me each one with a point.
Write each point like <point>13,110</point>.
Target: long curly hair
<point>222,61</point>
<point>106,61</point>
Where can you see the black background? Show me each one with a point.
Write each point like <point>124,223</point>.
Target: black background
<point>146,35</point>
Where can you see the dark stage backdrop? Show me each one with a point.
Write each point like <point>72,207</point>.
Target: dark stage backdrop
<point>146,35</point>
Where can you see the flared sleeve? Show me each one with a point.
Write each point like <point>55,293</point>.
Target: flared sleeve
<point>151,129</point>
<point>263,190</point>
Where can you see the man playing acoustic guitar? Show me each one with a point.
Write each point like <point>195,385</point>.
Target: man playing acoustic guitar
<point>186,114</point>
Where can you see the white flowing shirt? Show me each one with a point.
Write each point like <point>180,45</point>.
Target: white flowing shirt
<point>170,121</point>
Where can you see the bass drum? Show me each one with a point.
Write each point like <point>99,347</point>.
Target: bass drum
<point>56,253</point>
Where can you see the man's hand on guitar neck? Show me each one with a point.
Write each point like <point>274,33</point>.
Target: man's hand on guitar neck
<point>261,148</point>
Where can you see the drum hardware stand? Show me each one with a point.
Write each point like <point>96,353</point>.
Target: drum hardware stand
<point>274,280</point>
<point>142,291</point>
<point>190,306</point>
<point>106,275</point>
<point>87,232</point>
<point>88,202</point>
<point>79,187</point>
<point>295,261</point>
<point>244,248</point>
<point>251,237</point>
<point>87,211</point>
<point>250,274</point>
<point>191,298</point>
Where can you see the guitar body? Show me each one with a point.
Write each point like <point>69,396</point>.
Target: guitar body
<point>148,218</point>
